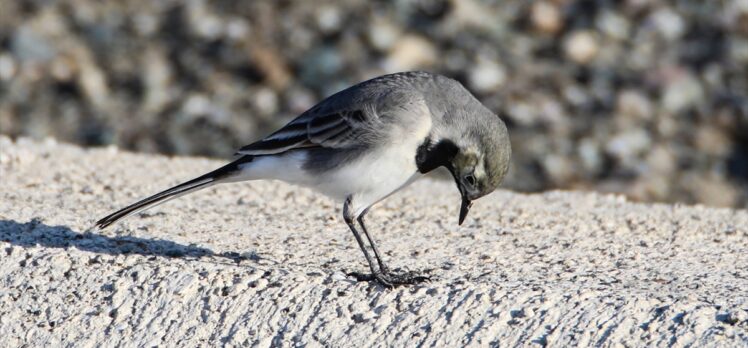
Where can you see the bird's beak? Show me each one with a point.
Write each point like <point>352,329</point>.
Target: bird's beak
<point>466,204</point>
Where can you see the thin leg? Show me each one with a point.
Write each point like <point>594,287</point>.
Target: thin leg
<point>375,273</point>
<point>382,274</point>
<point>362,246</point>
<point>382,266</point>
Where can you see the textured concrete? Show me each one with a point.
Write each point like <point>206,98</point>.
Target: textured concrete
<point>264,263</point>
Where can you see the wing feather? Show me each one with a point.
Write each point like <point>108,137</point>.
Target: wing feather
<point>350,118</point>
<point>288,131</point>
<point>315,127</point>
<point>332,130</point>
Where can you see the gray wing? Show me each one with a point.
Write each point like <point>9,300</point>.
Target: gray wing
<point>319,127</point>
<point>358,116</point>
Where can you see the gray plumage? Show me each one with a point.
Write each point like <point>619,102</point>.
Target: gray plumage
<point>366,142</point>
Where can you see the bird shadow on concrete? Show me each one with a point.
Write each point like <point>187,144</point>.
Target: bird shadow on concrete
<point>36,233</point>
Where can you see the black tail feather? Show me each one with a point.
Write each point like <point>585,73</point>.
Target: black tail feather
<point>198,183</point>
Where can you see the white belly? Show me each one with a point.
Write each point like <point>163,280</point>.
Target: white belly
<point>370,179</point>
<point>367,180</point>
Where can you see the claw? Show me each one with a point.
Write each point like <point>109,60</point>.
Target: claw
<point>389,280</point>
<point>408,279</point>
<point>361,277</point>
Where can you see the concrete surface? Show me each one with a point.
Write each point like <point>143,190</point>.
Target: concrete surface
<point>264,264</point>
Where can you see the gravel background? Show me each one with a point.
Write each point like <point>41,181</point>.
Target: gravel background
<point>644,97</point>
<point>264,264</point>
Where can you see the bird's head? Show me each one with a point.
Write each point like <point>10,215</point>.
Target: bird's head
<point>478,160</point>
<point>467,138</point>
<point>480,164</point>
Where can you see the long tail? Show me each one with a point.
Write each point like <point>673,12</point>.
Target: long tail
<point>215,177</point>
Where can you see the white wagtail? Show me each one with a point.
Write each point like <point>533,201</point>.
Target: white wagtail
<point>367,142</point>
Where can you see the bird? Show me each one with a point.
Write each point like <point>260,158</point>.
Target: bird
<point>366,142</point>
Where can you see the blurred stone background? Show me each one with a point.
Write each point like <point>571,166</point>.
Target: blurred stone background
<point>643,97</point>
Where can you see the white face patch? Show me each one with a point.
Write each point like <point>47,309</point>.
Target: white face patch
<point>472,159</point>
<point>480,168</point>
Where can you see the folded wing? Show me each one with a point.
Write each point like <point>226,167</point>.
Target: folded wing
<point>319,127</point>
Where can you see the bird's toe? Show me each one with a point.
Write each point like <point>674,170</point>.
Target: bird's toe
<point>409,278</point>
<point>390,280</point>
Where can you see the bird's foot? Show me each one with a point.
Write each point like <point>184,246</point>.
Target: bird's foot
<point>390,280</point>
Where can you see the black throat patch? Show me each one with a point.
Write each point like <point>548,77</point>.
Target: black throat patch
<point>430,156</point>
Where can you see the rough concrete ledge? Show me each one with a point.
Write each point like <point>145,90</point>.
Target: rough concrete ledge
<point>264,264</point>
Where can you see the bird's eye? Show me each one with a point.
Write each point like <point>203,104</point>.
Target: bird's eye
<point>470,179</point>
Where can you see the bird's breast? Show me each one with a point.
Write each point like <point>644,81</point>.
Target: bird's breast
<point>369,178</point>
